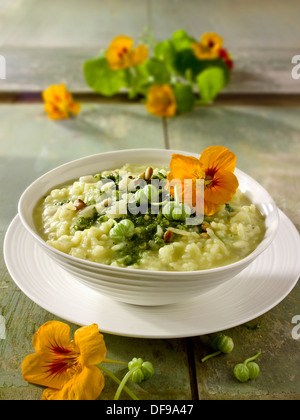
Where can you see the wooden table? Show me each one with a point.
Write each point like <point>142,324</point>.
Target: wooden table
<point>257,117</point>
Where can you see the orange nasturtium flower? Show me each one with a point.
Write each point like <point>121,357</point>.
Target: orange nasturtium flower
<point>121,55</point>
<point>215,166</point>
<point>59,102</point>
<point>66,367</point>
<point>208,47</point>
<point>161,101</point>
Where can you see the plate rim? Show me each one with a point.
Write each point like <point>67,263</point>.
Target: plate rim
<point>16,223</point>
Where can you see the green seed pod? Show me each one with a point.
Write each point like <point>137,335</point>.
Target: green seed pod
<point>247,370</point>
<point>168,209</point>
<point>151,193</point>
<point>135,363</point>
<point>241,372</point>
<point>253,370</point>
<point>181,212</point>
<point>173,211</point>
<point>223,343</point>
<point>141,197</point>
<point>177,213</point>
<point>122,231</point>
<point>142,370</point>
<point>147,370</point>
<point>137,377</point>
<point>186,211</point>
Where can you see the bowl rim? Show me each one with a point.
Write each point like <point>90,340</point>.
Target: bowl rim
<point>262,246</point>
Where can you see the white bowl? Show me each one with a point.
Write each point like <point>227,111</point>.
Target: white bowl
<point>141,287</point>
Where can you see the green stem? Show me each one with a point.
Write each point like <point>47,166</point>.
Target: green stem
<point>162,203</point>
<point>123,382</point>
<point>112,376</point>
<point>114,361</point>
<point>210,355</point>
<point>176,195</point>
<point>252,358</point>
<point>165,130</point>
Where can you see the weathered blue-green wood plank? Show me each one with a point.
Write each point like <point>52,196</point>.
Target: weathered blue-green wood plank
<point>266,142</point>
<point>47,42</point>
<point>31,144</point>
<point>32,69</point>
<point>279,362</point>
<point>72,24</point>
<point>271,23</point>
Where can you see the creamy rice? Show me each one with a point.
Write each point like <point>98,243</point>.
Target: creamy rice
<point>83,228</point>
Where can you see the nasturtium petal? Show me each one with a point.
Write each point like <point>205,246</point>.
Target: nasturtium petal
<point>210,208</point>
<point>55,332</point>
<point>223,188</point>
<point>185,167</point>
<point>59,102</point>
<point>139,55</point>
<point>161,101</point>
<point>85,385</point>
<point>90,344</point>
<point>218,157</point>
<point>36,369</point>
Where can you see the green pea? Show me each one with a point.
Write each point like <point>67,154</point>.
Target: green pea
<point>122,231</point>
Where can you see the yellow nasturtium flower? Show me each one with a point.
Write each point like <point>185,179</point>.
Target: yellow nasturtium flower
<point>121,55</point>
<point>67,368</point>
<point>161,101</point>
<point>59,102</point>
<point>209,46</point>
<point>216,167</point>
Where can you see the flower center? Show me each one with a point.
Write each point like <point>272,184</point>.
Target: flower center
<point>123,52</point>
<point>208,182</point>
<point>64,360</point>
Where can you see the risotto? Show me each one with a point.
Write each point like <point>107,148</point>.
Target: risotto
<point>126,218</point>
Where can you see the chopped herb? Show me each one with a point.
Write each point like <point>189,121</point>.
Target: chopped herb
<point>62,202</point>
<point>86,222</point>
<point>228,208</point>
<point>112,177</point>
<point>253,327</point>
<point>91,202</point>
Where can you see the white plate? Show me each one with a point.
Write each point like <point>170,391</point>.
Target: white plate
<point>256,290</point>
